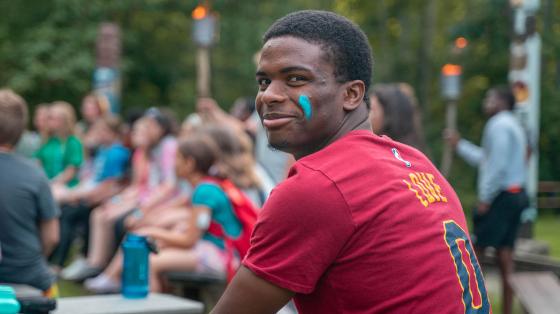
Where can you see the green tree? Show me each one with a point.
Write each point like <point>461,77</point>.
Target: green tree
<point>47,53</point>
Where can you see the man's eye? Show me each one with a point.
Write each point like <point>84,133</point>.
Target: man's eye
<point>296,79</point>
<point>263,82</point>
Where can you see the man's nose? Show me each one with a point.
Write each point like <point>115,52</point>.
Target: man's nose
<point>274,93</point>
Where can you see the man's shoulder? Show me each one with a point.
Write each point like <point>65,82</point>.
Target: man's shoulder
<point>17,168</point>
<point>362,152</point>
<point>18,164</point>
<point>305,181</point>
<point>347,147</point>
<point>505,120</point>
<point>502,118</point>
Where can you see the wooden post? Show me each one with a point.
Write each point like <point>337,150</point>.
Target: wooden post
<point>450,90</point>
<point>203,72</point>
<point>106,78</point>
<point>451,124</point>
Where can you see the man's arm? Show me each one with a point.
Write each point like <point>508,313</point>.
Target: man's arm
<point>471,153</point>
<point>50,235</point>
<point>249,294</point>
<point>48,213</point>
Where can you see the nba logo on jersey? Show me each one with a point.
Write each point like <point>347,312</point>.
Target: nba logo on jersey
<point>398,156</point>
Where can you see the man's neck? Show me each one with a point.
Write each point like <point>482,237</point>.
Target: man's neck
<point>357,119</point>
<point>498,112</point>
<point>6,148</point>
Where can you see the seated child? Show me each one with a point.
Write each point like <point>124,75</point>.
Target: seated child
<point>186,245</point>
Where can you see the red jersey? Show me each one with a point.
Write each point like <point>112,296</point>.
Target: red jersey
<point>368,225</point>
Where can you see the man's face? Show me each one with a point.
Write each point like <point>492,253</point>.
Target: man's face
<point>291,70</point>
<point>491,103</point>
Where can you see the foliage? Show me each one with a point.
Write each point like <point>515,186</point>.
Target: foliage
<point>47,53</point>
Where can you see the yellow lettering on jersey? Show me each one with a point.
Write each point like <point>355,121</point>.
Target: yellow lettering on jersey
<point>422,200</point>
<point>425,188</point>
<point>428,185</point>
<point>425,191</point>
<point>437,187</point>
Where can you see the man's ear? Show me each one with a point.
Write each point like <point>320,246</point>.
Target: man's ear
<point>353,94</point>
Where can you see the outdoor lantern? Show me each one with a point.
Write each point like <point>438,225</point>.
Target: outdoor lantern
<point>451,81</point>
<point>204,26</point>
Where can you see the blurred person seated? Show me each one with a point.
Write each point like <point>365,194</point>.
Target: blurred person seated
<point>28,213</point>
<point>394,112</point>
<point>186,244</point>
<point>236,162</point>
<point>269,165</point>
<point>243,108</point>
<point>31,141</point>
<point>62,154</point>
<point>131,116</point>
<point>153,183</point>
<point>92,108</point>
<point>110,165</point>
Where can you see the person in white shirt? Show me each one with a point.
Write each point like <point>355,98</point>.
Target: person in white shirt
<point>501,162</point>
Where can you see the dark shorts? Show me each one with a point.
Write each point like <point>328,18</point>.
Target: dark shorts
<point>498,227</point>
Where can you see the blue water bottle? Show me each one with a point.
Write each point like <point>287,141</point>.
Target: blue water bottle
<point>136,273</point>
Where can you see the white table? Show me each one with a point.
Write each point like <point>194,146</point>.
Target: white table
<point>23,291</point>
<point>116,304</point>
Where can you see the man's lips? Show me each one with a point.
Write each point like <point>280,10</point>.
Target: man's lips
<point>275,120</point>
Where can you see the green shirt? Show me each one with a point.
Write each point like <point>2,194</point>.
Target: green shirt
<point>213,197</point>
<point>58,154</point>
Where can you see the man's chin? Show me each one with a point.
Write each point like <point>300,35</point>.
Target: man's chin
<point>279,145</point>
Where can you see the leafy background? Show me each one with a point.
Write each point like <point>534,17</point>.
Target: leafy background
<point>47,53</point>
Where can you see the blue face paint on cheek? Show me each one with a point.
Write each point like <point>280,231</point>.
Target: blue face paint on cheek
<point>305,105</point>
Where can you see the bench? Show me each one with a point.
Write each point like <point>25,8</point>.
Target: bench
<point>538,292</point>
<point>155,303</point>
<point>548,195</point>
<point>523,261</point>
<point>24,291</point>
<point>206,288</point>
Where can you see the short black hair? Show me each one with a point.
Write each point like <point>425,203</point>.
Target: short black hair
<point>346,45</point>
<point>505,93</point>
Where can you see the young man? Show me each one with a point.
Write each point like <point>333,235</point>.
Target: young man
<point>501,165</point>
<point>28,213</point>
<point>362,224</point>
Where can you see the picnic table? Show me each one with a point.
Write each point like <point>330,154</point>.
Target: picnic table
<point>117,304</point>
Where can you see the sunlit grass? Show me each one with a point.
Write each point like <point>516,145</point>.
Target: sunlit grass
<point>547,229</point>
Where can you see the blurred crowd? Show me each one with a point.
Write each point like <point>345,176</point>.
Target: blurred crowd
<point>146,173</point>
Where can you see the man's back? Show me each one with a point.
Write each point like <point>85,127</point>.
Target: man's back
<point>25,201</point>
<point>504,163</point>
<point>368,225</point>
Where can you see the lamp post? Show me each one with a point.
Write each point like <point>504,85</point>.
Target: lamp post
<point>204,36</point>
<point>450,91</point>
